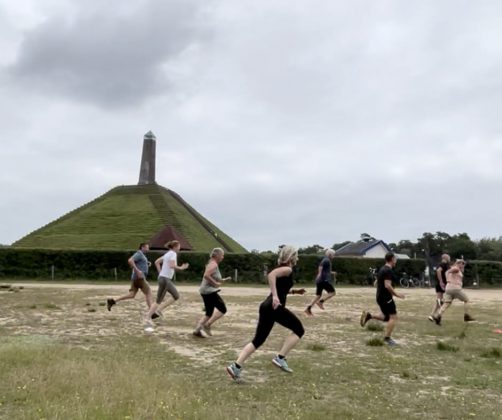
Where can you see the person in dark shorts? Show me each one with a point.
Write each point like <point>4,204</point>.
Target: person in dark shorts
<point>323,282</point>
<point>273,309</point>
<point>384,298</point>
<point>209,290</point>
<point>440,284</point>
<point>139,264</point>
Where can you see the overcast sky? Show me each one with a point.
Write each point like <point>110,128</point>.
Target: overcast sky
<point>302,122</point>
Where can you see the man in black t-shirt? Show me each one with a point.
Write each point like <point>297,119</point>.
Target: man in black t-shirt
<point>384,298</point>
<point>440,284</point>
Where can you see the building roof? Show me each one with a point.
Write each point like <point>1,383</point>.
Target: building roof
<point>360,248</point>
<point>169,233</point>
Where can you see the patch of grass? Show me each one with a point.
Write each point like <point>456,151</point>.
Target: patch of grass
<point>374,326</point>
<point>91,309</point>
<point>374,342</point>
<point>32,306</point>
<point>316,347</point>
<point>102,303</point>
<point>407,375</point>
<point>443,346</point>
<point>62,367</point>
<point>494,352</point>
<point>51,305</point>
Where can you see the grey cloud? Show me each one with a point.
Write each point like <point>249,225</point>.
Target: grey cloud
<point>109,58</point>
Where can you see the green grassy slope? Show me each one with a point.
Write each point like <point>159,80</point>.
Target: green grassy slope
<point>125,216</point>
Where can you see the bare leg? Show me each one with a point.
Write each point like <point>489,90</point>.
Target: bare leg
<point>247,351</point>
<point>289,343</point>
<point>169,301</point>
<point>130,295</point>
<point>444,307</point>
<point>466,307</point>
<point>153,309</point>
<point>308,310</point>
<point>149,299</point>
<point>329,296</point>
<point>437,304</point>
<point>201,322</point>
<point>390,325</point>
<point>216,315</point>
<point>379,317</point>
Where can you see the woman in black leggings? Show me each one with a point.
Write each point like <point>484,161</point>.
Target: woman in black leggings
<point>273,309</point>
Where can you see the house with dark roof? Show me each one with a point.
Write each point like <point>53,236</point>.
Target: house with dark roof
<point>366,248</point>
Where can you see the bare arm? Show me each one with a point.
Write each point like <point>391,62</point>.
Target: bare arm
<point>174,266</point>
<point>388,286</point>
<point>158,263</point>
<point>135,268</point>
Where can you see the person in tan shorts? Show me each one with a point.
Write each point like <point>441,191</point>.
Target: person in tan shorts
<point>453,290</point>
<point>139,264</point>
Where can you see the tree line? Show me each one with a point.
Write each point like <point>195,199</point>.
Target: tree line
<point>432,245</point>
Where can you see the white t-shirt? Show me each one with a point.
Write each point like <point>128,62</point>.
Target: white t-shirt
<point>167,271</point>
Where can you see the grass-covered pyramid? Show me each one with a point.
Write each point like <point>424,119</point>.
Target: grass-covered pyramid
<point>128,215</point>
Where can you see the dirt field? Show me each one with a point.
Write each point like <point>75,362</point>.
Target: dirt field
<point>334,348</point>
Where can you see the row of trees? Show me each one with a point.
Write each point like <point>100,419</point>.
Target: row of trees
<point>432,245</point>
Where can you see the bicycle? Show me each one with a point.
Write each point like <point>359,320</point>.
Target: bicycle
<point>408,281</point>
<point>372,276</point>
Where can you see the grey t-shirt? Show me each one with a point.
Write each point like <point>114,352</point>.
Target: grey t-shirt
<point>206,288</point>
<point>141,262</point>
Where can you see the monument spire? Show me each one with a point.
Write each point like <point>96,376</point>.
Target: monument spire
<point>147,168</point>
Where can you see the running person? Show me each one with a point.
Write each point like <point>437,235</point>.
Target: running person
<point>384,298</point>
<point>323,282</point>
<point>139,264</point>
<point>453,290</point>
<point>209,290</point>
<point>440,284</point>
<point>166,266</point>
<point>273,309</point>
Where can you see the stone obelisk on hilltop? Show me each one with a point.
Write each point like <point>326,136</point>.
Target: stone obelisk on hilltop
<point>147,168</point>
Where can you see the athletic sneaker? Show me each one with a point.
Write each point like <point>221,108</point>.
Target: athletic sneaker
<point>156,315</point>
<point>390,342</point>
<point>365,317</point>
<point>282,364</point>
<point>197,333</point>
<point>308,312</point>
<point>207,330</point>
<point>234,372</point>
<point>468,318</point>
<point>431,318</point>
<point>110,303</point>
<point>437,319</point>
<point>320,304</point>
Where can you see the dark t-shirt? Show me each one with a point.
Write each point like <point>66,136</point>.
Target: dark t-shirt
<point>385,273</point>
<point>444,268</point>
<point>325,275</point>
<point>283,285</point>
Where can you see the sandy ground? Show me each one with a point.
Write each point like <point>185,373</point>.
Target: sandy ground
<point>76,314</point>
<point>475,294</point>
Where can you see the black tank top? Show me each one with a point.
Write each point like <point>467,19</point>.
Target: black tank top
<point>283,285</point>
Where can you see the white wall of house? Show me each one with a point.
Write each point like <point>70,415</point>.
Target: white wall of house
<point>377,251</point>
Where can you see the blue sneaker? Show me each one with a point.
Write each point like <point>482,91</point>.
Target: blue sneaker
<point>282,364</point>
<point>390,342</point>
<point>234,372</point>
